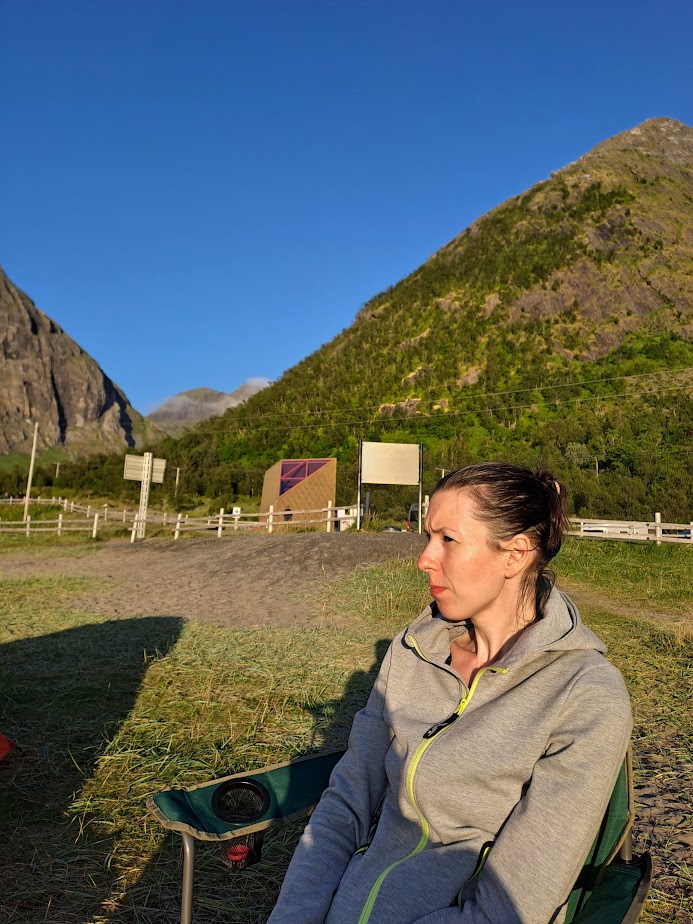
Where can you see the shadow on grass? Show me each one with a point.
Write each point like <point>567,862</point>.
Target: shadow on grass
<point>61,697</point>
<point>247,896</point>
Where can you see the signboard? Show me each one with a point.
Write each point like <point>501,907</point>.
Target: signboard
<point>134,469</point>
<point>145,469</point>
<point>236,512</point>
<point>390,463</point>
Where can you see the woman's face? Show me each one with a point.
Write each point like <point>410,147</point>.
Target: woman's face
<point>466,574</point>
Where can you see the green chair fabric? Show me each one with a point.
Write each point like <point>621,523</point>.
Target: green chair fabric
<point>619,895</point>
<point>615,824</point>
<point>294,788</point>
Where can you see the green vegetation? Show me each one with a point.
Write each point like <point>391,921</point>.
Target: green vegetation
<point>108,711</point>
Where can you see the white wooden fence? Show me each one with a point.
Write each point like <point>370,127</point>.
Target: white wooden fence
<point>103,519</point>
<point>329,518</point>
<point>632,531</point>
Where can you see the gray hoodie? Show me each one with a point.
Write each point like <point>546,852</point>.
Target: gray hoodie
<point>458,805</point>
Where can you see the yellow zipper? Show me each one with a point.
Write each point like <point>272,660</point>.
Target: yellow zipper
<point>429,737</point>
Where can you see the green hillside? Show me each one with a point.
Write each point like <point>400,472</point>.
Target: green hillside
<point>558,328</point>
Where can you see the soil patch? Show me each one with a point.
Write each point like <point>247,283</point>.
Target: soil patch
<point>238,581</point>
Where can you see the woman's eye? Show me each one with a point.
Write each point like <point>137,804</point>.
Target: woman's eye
<point>448,538</point>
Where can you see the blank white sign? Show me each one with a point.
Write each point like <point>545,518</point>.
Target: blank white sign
<point>390,463</point>
<point>134,467</point>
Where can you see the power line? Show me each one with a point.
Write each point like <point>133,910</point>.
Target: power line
<point>446,415</point>
<point>481,395</point>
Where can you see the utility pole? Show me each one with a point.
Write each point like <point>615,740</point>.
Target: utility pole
<point>31,470</point>
<point>57,470</point>
<point>177,477</point>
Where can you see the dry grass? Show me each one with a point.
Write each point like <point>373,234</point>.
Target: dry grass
<point>105,712</point>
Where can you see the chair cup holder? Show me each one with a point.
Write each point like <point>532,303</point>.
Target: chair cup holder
<point>241,801</point>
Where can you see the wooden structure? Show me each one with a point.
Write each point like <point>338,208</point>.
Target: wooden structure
<point>299,484</point>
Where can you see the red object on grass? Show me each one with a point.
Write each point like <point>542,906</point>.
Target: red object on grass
<point>237,852</point>
<point>5,746</point>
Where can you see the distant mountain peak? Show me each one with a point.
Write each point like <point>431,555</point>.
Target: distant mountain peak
<point>188,408</point>
<point>666,139</point>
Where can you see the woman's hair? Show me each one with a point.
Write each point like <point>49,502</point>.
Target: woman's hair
<point>510,499</point>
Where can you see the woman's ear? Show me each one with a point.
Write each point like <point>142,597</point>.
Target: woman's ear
<point>519,553</point>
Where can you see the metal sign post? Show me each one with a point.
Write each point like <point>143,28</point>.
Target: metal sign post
<point>420,487</point>
<point>146,469</point>
<point>358,493</point>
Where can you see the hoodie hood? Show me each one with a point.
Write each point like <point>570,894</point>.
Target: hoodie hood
<point>560,629</point>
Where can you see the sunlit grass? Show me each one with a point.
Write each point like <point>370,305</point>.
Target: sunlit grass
<point>648,576</point>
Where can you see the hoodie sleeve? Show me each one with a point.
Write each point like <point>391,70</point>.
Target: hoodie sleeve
<point>342,818</point>
<point>541,848</point>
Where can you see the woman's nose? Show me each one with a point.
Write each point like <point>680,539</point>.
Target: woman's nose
<point>425,561</point>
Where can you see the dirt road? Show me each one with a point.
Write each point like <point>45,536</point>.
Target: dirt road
<point>239,581</point>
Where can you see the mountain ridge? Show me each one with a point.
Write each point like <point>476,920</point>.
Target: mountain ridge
<point>50,379</point>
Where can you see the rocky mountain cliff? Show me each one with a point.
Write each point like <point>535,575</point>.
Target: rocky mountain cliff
<point>188,408</point>
<point>46,377</point>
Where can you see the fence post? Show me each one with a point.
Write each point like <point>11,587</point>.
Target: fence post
<point>124,514</point>
<point>88,510</point>
<point>329,516</point>
<point>658,528</point>
<point>105,512</point>
<point>96,526</point>
<point>270,519</point>
<point>176,534</point>
<point>65,504</point>
<point>221,523</point>
<point>135,524</point>
<point>164,518</point>
<point>28,521</point>
<point>60,524</point>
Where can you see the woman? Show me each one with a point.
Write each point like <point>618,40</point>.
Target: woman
<point>478,773</point>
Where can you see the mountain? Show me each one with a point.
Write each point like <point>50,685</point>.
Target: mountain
<point>48,378</point>
<point>492,348</point>
<point>188,408</point>
<point>557,329</point>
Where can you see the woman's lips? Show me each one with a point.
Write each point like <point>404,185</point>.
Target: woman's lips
<point>435,590</point>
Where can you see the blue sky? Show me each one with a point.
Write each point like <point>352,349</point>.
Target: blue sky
<point>203,191</point>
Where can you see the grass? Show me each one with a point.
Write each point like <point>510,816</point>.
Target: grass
<point>648,576</point>
<point>105,712</point>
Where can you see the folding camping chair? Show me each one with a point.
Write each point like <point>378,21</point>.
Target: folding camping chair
<point>238,809</point>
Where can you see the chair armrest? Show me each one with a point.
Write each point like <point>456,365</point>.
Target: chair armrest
<point>294,789</point>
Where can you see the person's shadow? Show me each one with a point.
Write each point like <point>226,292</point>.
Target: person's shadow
<point>62,698</point>
<point>250,894</point>
<point>333,717</point>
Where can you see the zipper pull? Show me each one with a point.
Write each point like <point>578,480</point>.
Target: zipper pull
<point>434,729</point>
